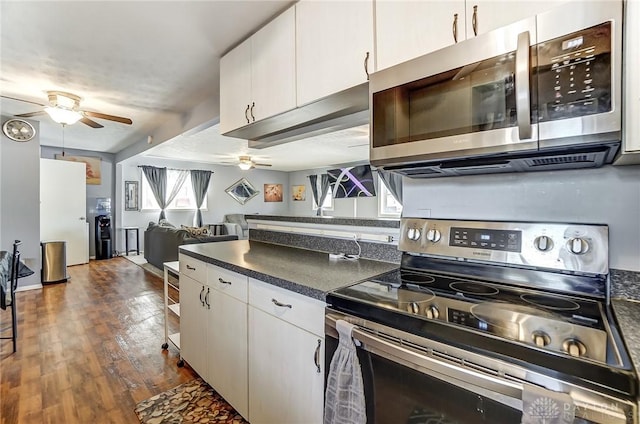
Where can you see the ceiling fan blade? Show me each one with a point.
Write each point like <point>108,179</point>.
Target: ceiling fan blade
<point>262,164</point>
<point>108,117</point>
<point>22,100</point>
<point>30,114</point>
<point>89,122</point>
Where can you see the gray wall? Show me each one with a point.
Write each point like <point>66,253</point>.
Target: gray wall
<point>219,202</point>
<point>608,195</point>
<point>20,193</point>
<point>105,189</point>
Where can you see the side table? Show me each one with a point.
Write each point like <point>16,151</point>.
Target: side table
<point>126,239</point>
<point>216,229</point>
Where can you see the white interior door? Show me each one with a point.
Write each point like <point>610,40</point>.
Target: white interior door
<point>63,207</point>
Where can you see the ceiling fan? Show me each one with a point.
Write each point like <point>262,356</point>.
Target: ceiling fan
<point>64,108</point>
<point>245,163</point>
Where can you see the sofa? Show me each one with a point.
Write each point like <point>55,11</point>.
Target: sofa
<point>236,224</point>
<point>161,242</point>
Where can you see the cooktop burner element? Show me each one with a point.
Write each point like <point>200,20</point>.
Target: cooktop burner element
<point>415,278</point>
<point>475,288</point>
<point>549,302</point>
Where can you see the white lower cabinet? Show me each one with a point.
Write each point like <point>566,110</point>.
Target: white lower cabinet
<point>193,324</point>
<point>227,336</point>
<point>286,362</point>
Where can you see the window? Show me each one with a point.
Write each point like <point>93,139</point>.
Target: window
<point>327,205</point>
<point>185,200</point>
<point>388,206</point>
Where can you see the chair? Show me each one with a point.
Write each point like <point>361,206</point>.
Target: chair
<point>235,224</point>
<point>13,284</point>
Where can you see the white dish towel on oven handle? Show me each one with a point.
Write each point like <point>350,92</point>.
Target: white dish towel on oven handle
<point>344,400</point>
<point>542,406</point>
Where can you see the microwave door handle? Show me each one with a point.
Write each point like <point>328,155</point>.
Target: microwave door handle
<point>523,89</point>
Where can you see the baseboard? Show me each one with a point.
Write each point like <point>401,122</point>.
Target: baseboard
<point>30,287</point>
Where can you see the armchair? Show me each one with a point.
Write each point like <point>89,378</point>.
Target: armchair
<point>235,224</point>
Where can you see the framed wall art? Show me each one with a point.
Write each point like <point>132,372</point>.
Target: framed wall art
<point>273,192</point>
<point>298,193</point>
<point>131,196</point>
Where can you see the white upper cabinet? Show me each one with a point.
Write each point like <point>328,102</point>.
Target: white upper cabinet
<point>408,29</point>
<point>631,83</point>
<point>235,87</point>
<point>273,67</point>
<point>333,40</point>
<point>487,15</point>
<point>257,78</point>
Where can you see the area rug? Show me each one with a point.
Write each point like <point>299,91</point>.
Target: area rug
<point>191,402</point>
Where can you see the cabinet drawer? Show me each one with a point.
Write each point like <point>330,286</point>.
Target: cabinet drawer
<point>297,309</point>
<point>193,268</point>
<point>229,282</point>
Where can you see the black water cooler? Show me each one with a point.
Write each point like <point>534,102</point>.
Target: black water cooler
<point>103,237</point>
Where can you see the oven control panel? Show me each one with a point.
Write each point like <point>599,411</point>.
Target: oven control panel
<point>580,248</point>
<point>486,239</point>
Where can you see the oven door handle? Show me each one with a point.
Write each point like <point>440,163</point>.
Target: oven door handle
<point>463,374</point>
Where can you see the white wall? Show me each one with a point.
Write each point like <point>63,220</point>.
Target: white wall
<point>608,195</point>
<point>363,207</point>
<point>20,205</point>
<point>219,202</point>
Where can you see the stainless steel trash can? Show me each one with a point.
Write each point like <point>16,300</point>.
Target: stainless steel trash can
<point>54,262</point>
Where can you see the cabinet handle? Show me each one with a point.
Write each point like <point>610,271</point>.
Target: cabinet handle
<point>206,299</point>
<point>253,118</point>
<point>282,305</point>
<point>201,300</point>
<point>246,114</point>
<point>366,65</point>
<point>224,282</point>
<point>316,356</point>
<point>455,27</point>
<point>474,20</point>
<point>189,267</point>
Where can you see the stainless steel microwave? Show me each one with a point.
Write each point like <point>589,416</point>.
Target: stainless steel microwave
<point>541,94</point>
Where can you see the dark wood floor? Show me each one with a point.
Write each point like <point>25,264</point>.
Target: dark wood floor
<point>89,349</point>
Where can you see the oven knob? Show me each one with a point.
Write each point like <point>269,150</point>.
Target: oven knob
<point>413,233</point>
<point>433,235</point>
<point>540,338</point>
<point>432,312</point>
<point>574,347</point>
<point>543,243</point>
<point>413,308</point>
<point>578,246</point>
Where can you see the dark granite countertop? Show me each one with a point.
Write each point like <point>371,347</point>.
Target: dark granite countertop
<point>628,315</point>
<point>330,220</point>
<point>307,272</point>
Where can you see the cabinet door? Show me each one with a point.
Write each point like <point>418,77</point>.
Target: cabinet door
<point>408,29</point>
<point>235,87</point>
<point>284,383</point>
<point>228,350</point>
<point>332,42</point>
<point>192,325</point>
<point>273,77</point>
<point>631,137</point>
<point>492,14</point>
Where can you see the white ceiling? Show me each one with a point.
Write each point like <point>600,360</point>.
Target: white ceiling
<point>152,61</point>
<point>337,148</point>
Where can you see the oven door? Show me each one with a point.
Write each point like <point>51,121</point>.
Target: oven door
<point>411,383</point>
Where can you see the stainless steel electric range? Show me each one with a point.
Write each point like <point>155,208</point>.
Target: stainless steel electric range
<point>497,322</point>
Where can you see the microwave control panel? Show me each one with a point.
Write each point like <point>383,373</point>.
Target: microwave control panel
<point>574,74</point>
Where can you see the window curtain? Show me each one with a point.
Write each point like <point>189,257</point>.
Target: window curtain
<point>319,197</point>
<point>157,178</point>
<point>393,182</point>
<point>200,182</point>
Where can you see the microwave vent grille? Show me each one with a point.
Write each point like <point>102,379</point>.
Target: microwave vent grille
<point>560,160</point>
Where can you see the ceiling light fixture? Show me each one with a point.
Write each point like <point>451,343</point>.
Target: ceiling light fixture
<point>63,116</point>
<point>245,165</point>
